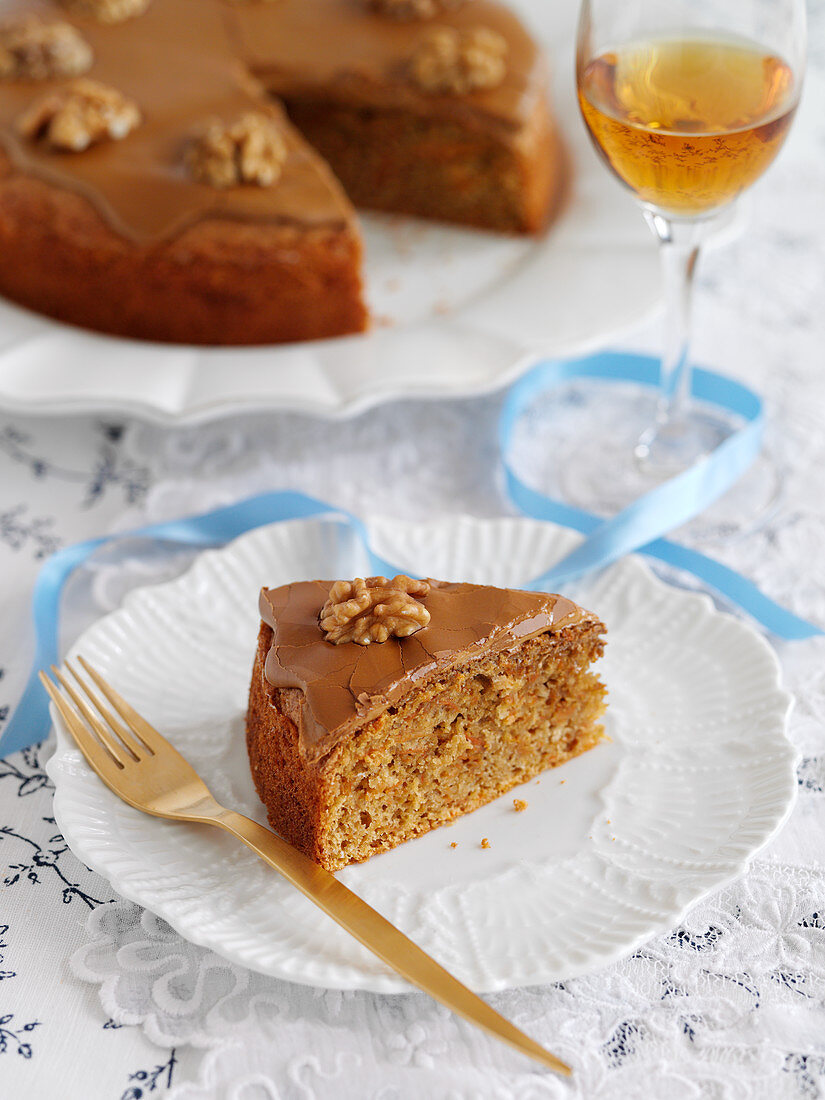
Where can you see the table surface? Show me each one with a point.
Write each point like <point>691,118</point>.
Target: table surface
<point>99,1000</point>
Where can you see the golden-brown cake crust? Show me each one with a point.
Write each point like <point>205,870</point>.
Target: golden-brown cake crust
<point>218,282</point>
<point>292,792</point>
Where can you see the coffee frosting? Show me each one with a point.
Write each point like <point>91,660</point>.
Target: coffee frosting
<point>344,686</point>
<point>186,61</point>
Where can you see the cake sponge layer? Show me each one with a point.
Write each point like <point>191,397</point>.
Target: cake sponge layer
<point>468,734</point>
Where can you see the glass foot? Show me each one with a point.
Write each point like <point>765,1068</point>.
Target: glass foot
<point>670,448</point>
<point>746,507</point>
<point>593,448</point>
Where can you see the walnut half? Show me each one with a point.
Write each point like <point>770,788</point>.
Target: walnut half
<point>365,611</point>
<point>413,9</point>
<point>78,115</point>
<point>33,50</point>
<point>107,11</point>
<point>249,150</point>
<point>456,62</point>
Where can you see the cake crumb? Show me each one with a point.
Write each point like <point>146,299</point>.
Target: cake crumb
<point>519,804</point>
<point>562,781</point>
<point>485,843</point>
<point>454,845</point>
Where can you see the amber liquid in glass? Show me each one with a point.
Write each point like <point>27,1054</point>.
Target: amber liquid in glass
<point>687,123</point>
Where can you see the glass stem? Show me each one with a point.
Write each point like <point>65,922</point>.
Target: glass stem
<point>679,244</point>
<point>679,435</point>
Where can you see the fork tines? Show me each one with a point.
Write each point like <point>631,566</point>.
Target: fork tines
<point>120,744</point>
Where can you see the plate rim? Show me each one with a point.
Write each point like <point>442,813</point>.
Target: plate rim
<point>387,983</point>
<point>521,355</point>
<point>216,409</point>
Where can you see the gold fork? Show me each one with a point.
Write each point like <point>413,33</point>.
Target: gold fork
<point>143,769</point>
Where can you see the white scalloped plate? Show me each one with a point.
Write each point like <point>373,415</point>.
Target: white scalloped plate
<point>458,311</point>
<point>613,846</point>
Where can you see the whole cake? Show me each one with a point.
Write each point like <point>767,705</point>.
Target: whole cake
<point>379,710</point>
<point>183,170</point>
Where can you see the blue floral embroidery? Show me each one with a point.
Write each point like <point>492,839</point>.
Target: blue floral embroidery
<point>150,1079</point>
<point>744,981</point>
<point>28,772</point>
<point>791,981</point>
<point>703,941</point>
<point>670,989</point>
<point>19,532</point>
<point>10,1038</point>
<point>32,864</point>
<point>810,774</point>
<point>4,710</point>
<point>45,858</point>
<point>3,945</point>
<point>805,1069</point>
<point>623,1043</point>
<point>688,1028</point>
<point>108,469</point>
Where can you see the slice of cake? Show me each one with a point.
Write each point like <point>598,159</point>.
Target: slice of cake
<point>439,109</point>
<point>381,709</point>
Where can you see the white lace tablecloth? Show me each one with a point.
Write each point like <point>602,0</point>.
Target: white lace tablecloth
<point>101,1001</point>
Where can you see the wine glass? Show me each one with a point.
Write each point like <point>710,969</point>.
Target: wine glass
<point>687,102</point>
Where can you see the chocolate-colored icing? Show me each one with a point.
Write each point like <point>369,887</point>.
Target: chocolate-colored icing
<point>185,61</point>
<point>346,685</point>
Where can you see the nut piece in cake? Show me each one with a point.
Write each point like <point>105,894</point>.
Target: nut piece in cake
<point>413,9</point>
<point>33,50</point>
<point>456,62</point>
<point>251,150</point>
<point>108,11</point>
<point>79,115</point>
<point>372,610</point>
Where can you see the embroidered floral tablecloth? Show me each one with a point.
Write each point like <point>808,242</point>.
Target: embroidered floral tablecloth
<point>102,1001</point>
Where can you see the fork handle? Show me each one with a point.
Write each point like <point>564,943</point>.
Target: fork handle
<point>376,933</point>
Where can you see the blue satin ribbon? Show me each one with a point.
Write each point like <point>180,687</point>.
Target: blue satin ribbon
<point>30,721</point>
<point>638,527</point>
